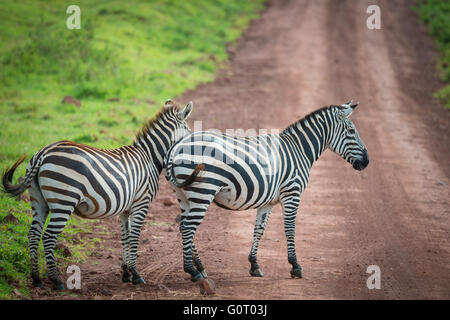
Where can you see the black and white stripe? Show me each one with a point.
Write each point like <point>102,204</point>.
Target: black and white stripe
<point>66,177</point>
<point>240,173</point>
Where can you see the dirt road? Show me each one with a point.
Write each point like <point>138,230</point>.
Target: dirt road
<point>299,56</point>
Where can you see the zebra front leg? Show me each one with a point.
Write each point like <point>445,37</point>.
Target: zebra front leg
<point>40,212</point>
<point>262,216</point>
<point>136,220</point>
<point>125,224</point>
<point>290,203</point>
<point>58,219</point>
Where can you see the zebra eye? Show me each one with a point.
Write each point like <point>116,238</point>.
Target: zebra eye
<point>351,131</point>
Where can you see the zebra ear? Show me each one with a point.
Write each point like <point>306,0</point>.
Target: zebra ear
<point>185,113</point>
<point>349,107</point>
<point>353,106</point>
<point>169,103</point>
<point>347,111</point>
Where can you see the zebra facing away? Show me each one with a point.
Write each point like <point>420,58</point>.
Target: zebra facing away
<point>66,177</point>
<point>240,173</point>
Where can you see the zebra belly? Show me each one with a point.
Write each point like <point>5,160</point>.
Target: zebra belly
<point>83,210</point>
<point>225,199</point>
<point>87,209</point>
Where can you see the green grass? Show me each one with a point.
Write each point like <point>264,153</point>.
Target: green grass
<point>436,14</point>
<point>14,258</point>
<point>141,52</point>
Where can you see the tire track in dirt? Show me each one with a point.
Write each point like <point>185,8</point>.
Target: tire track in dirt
<point>299,56</point>
<point>403,168</point>
<point>351,220</point>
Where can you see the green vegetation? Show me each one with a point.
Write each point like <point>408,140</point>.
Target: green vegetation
<point>436,14</point>
<point>127,58</point>
<point>14,258</point>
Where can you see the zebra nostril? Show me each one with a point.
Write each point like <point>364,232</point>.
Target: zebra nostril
<point>361,163</point>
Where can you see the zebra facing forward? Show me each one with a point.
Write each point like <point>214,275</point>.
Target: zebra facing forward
<point>66,177</point>
<point>240,173</point>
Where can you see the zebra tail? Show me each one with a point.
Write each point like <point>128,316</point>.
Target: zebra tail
<point>189,180</point>
<point>16,189</point>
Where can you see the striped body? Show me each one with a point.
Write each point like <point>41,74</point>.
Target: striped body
<point>241,173</point>
<point>97,183</point>
<point>66,177</point>
<point>248,171</point>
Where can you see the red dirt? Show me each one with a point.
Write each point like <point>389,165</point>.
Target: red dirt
<point>299,56</point>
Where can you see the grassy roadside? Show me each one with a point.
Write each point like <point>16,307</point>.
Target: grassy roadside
<point>14,257</point>
<point>127,58</point>
<point>436,14</point>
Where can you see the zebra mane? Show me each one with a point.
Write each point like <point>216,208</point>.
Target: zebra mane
<point>164,110</point>
<point>308,116</point>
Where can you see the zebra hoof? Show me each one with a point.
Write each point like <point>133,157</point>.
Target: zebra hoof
<point>37,283</point>
<point>197,277</point>
<point>138,280</point>
<point>207,286</point>
<point>126,277</point>
<point>58,285</point>
<point>296,273</point>
<point>256,273</point>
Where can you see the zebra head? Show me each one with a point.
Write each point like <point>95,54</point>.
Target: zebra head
<point>345,139</point>
<point>177,119</point>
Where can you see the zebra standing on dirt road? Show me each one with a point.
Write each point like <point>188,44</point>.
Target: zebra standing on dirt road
<point>66,177</point>
<point>240,173</point>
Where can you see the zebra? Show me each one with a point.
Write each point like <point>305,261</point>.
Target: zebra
<point>256,172</point>
<point>67,177</point>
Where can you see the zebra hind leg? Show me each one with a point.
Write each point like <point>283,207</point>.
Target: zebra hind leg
<point>125,224</point>
<point>136,220</point>
<point>188,226</point>
<point>60,214</point>
<point>197,262</point>
<point>190,255</point>
<point>40,212</point>
<point>184,206</point>
<point>262,216</point>
<point>207,286</point>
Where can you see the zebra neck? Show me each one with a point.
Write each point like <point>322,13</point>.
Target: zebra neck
<point>307,141</point>
<point>155,145</point>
